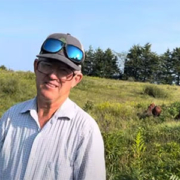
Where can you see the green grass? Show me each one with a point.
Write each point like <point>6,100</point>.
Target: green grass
<point>136,148</point>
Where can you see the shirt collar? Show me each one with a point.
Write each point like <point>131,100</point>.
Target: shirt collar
<point>31,105</point>
<point>67,109</point>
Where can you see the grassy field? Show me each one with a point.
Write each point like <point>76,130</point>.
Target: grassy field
<point>137,147</point>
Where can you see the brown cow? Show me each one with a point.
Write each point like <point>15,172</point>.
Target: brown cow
<point>148,112</point>
<point>156,111</point>
<point>152,110</point>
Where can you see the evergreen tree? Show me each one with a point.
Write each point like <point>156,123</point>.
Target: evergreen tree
<point>98,63</point>
<point>132,63</point>
<point>88,64</point>
<point>101,64</point>
<point>110,67</point>
<point>149,64</point>
<point>166,73</point>
<point>141,64</point>
<point>3,67</point>
<point>176,64</point>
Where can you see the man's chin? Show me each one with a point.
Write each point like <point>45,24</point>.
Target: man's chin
<point>47,96</point>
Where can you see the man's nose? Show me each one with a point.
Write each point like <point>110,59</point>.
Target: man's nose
<point>53,74</point>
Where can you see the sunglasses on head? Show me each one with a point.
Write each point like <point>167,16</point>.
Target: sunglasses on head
<point>54,45</point>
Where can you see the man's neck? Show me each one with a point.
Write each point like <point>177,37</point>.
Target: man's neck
<point>46,110</point>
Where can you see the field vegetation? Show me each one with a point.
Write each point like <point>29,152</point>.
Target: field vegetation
<point>137,147</point>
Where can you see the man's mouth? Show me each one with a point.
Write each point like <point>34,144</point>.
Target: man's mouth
<point>50,85</point>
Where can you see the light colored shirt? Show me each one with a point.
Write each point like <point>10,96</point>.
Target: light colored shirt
<point>68,147</point>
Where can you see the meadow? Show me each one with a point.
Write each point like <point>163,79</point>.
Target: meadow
<point>137,147</point>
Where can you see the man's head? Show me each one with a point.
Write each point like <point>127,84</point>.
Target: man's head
<point>64,48</point>
<point>58,67</point>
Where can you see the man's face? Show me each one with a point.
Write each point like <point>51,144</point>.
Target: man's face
<point>54,80</point>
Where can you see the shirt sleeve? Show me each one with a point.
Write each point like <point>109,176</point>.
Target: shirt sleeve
<point>90,162</point>
<point>4,123</point>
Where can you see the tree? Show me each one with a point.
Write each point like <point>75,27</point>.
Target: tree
<point>149,64</point>
<point>110,67</point>
<point>166,73</point>
<point>101,63</point>
<point>3,67</point>
<point>98,63</point>
<point>132,63</point>
<point>141,63</point>
<point>176,64</point>
<point>87,67</point>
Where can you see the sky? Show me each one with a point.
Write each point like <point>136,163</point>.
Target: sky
<point>114,24</point>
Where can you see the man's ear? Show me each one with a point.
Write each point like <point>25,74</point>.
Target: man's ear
<point>35,65</point>
<point>77,78</point>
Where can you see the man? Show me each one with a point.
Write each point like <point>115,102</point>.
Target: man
<point>50,137</point>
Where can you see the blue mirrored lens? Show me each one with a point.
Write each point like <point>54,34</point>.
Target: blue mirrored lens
<point>74,53</point>
<point>52,45</point>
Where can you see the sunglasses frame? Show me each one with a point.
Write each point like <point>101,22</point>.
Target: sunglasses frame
<point>64,46</point>
<point>62,79</point>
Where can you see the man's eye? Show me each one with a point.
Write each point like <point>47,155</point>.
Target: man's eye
<point>64,71</point>
<point>47,66</point>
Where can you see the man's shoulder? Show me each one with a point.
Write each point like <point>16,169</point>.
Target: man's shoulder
<point>80,112</point>
<point>21,105</point>
<point>83,117</point>
<point>17,110</point>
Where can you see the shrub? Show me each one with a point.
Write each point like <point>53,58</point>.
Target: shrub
<point>3,67</point>
<point>155,92</point>
<point>88,106</point>
<point>131,79</point>
<point>9,86</point>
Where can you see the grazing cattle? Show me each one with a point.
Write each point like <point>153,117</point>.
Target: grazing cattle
<point>151,107</point>
<point>148,112</point>
<point>156,111</point>
<point>152,110</point>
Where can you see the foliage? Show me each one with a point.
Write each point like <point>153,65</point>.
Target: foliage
<point>87,67</point>
<point>141,63</point>
<point>10,86</point>
<point>146,66</point>
<point>135,148</point>
<point>101,63</point>
<point>155,91</point>
<point>166,72</point>
<point>3,67</point>
<point>176,67</point>
<point>138,150</point>
<point>88,106</point>
<point>174,177</point>
<point>15,87</point>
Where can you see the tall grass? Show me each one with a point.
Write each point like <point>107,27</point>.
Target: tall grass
<point>135,148</point>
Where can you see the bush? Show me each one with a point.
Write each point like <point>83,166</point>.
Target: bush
<point>155,92</point>
<point>3,67</point>
<point>88,106</point>
<point>9,86</point>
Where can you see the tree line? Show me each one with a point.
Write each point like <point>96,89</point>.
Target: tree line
<point>139,64</point>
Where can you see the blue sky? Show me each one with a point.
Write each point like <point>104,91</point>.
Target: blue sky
<point>114,24</point>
